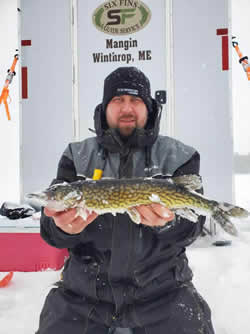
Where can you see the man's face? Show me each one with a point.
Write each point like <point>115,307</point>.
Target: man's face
<point>125,113</point>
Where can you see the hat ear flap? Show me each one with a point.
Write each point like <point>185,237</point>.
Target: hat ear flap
<point>100,120</point>
<point>154,116</point>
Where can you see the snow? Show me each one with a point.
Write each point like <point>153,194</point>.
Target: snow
<point>221,275</point>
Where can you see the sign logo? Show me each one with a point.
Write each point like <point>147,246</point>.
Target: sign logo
<point>121,17</point>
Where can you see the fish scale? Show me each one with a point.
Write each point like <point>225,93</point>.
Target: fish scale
<point>129,193</point>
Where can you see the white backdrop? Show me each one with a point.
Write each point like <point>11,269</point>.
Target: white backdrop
<point>47,119</point>
<point>203,96</point>
<point>199,90</point>
<point>9,130</point>
<point>92,42</point>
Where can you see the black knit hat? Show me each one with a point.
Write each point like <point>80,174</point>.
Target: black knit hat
<point>127,81</point>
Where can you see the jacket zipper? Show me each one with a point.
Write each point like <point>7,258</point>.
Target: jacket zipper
<point>109,280</point>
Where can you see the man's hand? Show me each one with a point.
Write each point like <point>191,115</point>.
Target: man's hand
<point>68,221</point>
<point>155,214</point>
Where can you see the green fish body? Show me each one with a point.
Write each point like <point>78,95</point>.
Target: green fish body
<point>123,195</point>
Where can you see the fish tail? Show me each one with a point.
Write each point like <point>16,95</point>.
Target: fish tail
<point>222,214</point>
<point>224,221</point>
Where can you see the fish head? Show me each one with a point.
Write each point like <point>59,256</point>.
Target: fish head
<point>57,197</point>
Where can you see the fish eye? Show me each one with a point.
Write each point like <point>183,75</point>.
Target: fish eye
<point>52,191</point>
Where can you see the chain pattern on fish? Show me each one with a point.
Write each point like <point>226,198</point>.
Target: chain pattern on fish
<point>123,195</point>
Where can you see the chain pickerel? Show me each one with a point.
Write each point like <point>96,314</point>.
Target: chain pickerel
<point>123,195</point>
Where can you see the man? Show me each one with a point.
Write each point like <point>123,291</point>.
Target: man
<point>121,276</point>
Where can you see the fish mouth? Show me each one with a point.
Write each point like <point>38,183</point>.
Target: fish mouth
<point>37,198</point>
<point>42,200</point>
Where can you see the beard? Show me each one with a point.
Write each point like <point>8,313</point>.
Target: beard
<point>126,131</point>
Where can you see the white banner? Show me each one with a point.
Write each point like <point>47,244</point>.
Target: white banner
<point>113,34</point>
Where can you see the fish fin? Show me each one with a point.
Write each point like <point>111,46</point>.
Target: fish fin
<point>223,219</point>
<point>134,215</point>
<point>187,214</point>
<point>190,182</point>
<point>82,212</point>
<point>234,211</point>
<point>224,212</point>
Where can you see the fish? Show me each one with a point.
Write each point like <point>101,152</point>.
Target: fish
<point>107,195</point>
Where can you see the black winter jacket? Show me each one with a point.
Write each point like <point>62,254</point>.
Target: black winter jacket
<point>122,270</point>
<point>115,263</point>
